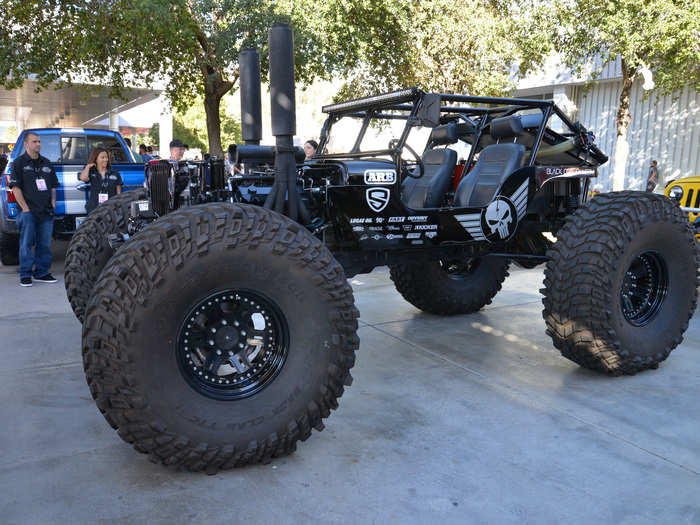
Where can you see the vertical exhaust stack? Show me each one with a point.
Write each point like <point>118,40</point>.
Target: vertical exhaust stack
<point>281,46</point>
<point>251,106</point>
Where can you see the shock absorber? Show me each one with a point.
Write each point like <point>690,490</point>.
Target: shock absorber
<point>573,195</point>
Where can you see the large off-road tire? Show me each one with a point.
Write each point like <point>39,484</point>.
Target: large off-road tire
<point>9,249</point>
<point>621,283</point>
<point>89,249</point>
<point>450,288</point>
<point>219,277</point>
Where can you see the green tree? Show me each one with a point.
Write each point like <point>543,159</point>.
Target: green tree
<point>657,37</point>
<point>194,44</point>
<point>191,126</point>
<point>457,46</point>
<point>442,45</point>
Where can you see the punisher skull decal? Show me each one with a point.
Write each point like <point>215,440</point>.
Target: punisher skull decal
<point>498,218</point>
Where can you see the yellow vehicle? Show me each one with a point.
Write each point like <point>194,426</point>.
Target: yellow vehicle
<point>686,192</point>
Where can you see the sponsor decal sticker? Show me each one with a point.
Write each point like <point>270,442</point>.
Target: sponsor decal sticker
<point>377,198</point>
<point>380,177</point>
<point>569,172</point>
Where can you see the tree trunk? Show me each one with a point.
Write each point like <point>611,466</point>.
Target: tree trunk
<point>215,87</point>
<point>212,103</point>
<point>623,121</point>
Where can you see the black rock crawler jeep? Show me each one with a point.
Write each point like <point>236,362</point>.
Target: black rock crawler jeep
<point>220,334</point>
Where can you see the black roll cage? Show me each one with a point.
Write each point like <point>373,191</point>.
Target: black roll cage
<point>406,105</point>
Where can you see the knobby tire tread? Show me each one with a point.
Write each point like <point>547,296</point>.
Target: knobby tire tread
<point>81,266</point>
<point>162,245</point>
<point>427,287</point>
<point>578,289</point>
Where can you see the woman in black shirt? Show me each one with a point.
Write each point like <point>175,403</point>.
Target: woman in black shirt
<point>105,182</point>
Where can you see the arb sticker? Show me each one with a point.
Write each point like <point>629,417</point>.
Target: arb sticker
<point>380,176</point>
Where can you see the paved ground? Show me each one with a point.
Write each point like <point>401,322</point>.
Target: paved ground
<point>473,419</point>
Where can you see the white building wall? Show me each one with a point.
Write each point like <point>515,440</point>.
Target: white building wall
<point>663,128</point>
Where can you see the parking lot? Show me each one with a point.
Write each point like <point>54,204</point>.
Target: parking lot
<point>468,419</point>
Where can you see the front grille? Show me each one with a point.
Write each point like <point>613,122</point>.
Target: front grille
<point>689,198</point>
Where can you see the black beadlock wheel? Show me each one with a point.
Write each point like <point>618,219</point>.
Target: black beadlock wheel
<point>89,249</point>
<point>219,336</point>
<point>232,344</point>
<point>620,286</point>
<point>644,288</point>
<point>450,287</point>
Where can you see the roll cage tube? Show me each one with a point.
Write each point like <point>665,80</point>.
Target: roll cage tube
<point>405,104</point>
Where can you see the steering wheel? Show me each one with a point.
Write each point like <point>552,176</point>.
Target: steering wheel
<point>415,168</point>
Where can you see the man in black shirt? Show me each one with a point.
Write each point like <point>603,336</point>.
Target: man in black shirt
<point>34,182</point>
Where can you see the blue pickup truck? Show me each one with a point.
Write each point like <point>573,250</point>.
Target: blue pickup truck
<point>68,150</point>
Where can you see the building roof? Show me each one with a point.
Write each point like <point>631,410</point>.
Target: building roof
<point>555,73</point>
<point>65,107</point>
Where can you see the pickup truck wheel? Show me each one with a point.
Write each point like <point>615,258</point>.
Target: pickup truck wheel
<point>219,337</point>
<point>620,286</point>
<point>9,249</point>
<point>89,249</point>
<point>450,287</point>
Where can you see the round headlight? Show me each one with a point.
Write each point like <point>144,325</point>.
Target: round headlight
<point>676,193</point>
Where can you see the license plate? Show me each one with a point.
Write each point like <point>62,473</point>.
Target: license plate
<point>78,221</point>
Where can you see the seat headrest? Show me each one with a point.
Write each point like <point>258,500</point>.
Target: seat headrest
<point>509,127</point>
<point>506,127</point>
<point>533,120</point>
<point>444,134</point>
<point>439,156</point>
<point>451,132</point>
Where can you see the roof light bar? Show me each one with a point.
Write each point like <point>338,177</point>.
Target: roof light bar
<point>394,97</point>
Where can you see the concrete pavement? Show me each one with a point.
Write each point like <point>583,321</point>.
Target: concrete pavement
<point>471,419</point>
